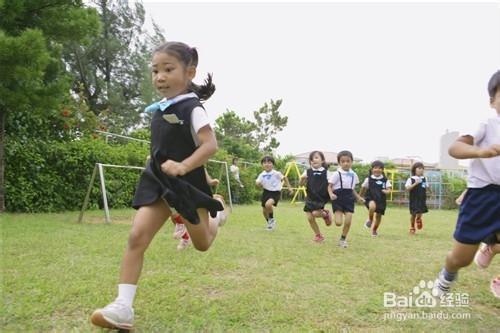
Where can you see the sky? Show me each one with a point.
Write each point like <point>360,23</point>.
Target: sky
<point>376,78</point>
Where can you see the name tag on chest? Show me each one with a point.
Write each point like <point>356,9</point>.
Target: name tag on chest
<point>172,119</point>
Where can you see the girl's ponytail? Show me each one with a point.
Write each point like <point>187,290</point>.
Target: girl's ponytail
<point>203,91</point>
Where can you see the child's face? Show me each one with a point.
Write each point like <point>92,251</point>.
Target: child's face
<point>377,171</point>
<point>495,101</point>
<point>419,171</point>
<point>267,165</point>
<point>169,75</point>
<point>345,163</point>
<point>316,161</point>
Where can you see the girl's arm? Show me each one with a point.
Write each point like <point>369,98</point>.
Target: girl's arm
<point>412,186</point>
<point>302,180</point>
<point>362,191</point>
<point>387,190</point>
<point>461,197</point>
<point>358,197</point>
<point>211,181</point>
<point>287,184</point>
<point>330,192</point>
<point>208,147</point>
<point>464,148</point>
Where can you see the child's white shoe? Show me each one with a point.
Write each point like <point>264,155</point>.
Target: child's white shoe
<point>114,315</point>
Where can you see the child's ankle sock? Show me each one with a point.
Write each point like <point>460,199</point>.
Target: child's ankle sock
<point>126,293</point>
<point>449,276</point>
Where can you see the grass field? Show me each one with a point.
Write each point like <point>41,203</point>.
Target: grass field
<point>55,272</point>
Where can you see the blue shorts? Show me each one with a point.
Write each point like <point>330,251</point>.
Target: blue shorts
<point>479,215</point>
<point>344,202</point>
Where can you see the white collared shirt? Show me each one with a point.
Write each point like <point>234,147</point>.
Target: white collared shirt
<point>485,171</point>
<point>348,178</point>
<point>271,180</point>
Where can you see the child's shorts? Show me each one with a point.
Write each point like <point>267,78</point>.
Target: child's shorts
<point>479,214</point>
<point>311,206</point>
<point>266,195</point>
<point>344,202</point>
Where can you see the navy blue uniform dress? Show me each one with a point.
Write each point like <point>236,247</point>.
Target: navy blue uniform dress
<point>316,189</point>
<point>171,139</point>
<point>418,197</point>
<point>374,193</point>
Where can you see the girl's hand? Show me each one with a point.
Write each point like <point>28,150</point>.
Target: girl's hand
<point>214,182</point>
<point>333,196</point>
<point>361,200</point>
<point>173,168</point>
<point>491,151</point>
<point>387,191</point>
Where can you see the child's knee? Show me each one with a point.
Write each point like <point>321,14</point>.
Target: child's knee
<point>137,240</point>
<point>202,247</point>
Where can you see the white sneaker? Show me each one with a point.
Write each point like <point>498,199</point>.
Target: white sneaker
<point>271,224</point>
<point>222,216</point>
<point>179,230</point>
<point>343,243</point>
<point>183,244</point>
<point>441,286</point>
<point>114,315</point>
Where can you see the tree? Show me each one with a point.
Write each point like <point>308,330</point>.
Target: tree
<point>268,123</point>
<point>112,71</point>
<point>33,81</point>
<point>250,139</point>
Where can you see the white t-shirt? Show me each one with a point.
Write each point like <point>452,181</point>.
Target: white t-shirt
<point>387,183</point>
<point>199,116</point>
<point>348,178</point>
<point>271,180</point>
<point>235,171</point>
<point>485,171</point>
<point>408,181</point>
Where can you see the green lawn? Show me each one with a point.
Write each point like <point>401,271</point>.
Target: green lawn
<point>55,272</point>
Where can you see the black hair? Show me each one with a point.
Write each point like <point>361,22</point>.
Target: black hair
<point>377,164</point>
<point>494,84</point>
<point>188,56</point>
<point>235,159</point>
<point>314,152</point>
<point>267,158</point>
<point>415,166</point>
<point>344,153</point>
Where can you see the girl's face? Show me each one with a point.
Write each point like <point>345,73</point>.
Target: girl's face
<point>169,75</point>
<point>377,171</point>
<point>267,165</point>
<point>419,171</point>
<point>345,163</point>
<point>316,161</point>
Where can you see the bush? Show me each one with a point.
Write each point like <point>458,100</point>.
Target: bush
<point>54,176</point>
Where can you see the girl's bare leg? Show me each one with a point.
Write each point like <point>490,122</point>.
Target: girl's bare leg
<point>147,221</point>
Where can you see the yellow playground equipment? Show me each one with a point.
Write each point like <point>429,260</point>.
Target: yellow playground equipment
<point>292,167</point>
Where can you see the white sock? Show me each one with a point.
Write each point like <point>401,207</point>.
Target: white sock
<point>126,293</point>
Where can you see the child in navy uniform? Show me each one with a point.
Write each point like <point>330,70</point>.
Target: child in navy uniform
<point>417,186</point>
<point>182,141</point>
<point>271,182</point>
<point>316,179</point>
<point>479,216</point>
<point>342,184</point>
<point>375,188</point>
